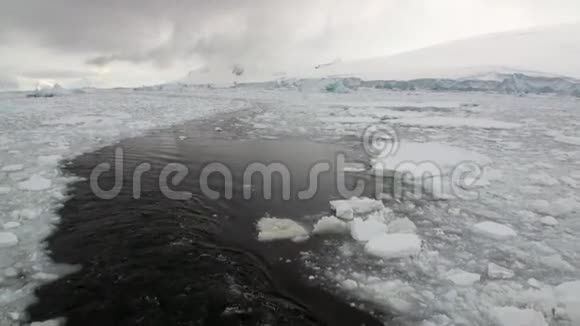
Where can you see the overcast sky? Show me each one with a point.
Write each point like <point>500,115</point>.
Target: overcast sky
<point>132,42</point>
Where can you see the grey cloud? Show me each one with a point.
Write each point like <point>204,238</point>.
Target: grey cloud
<point>8,83</point>
<point>57,74</point>
<point>229,32</point>
<point>159,31</point>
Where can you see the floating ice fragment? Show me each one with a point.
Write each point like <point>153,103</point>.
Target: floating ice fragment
<point>462,278</point>
<point>496,272</point>
<point>8,240</point>
<point>494,230</point>
<point>543,179</point>
<point>363,231</point>
<point>567,295</point>
<point>402,225</point>
<point>271,228</point>
<point>346,209</point>
<point>549,220</point>
<point>12,168</point>
<point>394,246</point>
<point>330,224</point>
<point>512,316</point>
<point>35,183</point>
<point>54,322</point>
<point>50,160</point>
<point>10,225</point>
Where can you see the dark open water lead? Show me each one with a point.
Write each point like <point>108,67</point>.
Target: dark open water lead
<point>156,261</point>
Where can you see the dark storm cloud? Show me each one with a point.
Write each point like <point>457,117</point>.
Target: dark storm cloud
<point>160,31</point>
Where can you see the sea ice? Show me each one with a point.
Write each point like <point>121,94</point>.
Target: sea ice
<point>271,228</point>
<point>347,209</point>
<point>330,225</point>
<point>10,225</point>
<point>362,230</point>
<point>543,179</point>
<point>496,272</point>
<point>12,168</point>
<point>512,316</point>
<point>35,183</point>
<point>549,220</point>
<point>26,213</point>
<point>462,278</point>
<point>402,225</point>
<point>425,160</point>
<point>396,245</point>
<point>453,122</point>
<point>8,240</point>
<point>568,295</point>
<point>494,230</point>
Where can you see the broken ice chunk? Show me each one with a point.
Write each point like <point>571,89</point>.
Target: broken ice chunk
<point>35,183</point>
<point>512,316</point>
<point>396,245</point>
<point>496,272</point>
<point>361,230</point>
<point>346,209</point>
<point>330,224</point>
<point>494,230</point>
<point>8,240</point>
<point>461,277</point>
<point>271,228</point>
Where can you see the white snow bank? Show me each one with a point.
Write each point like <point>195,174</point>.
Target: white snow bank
<point>271,228</point>
<point>494,230</point>
<point>512,316</point>
<point>396,245</point>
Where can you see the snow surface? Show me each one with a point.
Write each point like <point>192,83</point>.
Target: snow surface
<point>547,50</point>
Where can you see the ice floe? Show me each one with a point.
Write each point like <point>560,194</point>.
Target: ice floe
<point>494,230</point>
<point>512,316</point>
<point>8,240</point>
<point>272,228</point>
<point>347,209</point>
<point>496,272</point>
<point>395,245</point>
<point>35,183</point>
<point>330,225</point>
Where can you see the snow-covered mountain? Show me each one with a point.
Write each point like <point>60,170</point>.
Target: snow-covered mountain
<point>538,61</point>
<point>548,52</point>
